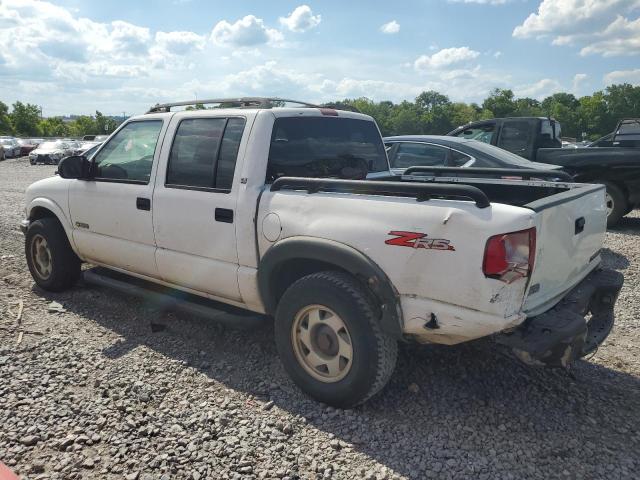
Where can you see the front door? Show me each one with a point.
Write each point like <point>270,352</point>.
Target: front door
<point>195,204</point>
<point>111,214</point>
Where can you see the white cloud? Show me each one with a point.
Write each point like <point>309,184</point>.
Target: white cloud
<point>578,81</point>
<point>301,19</point>
<point>246,32</point>
<point>390,27</point>
<point>539,90</point>
<point>180,43</point>
<point>444,58</point>
<point>623,76</point>
<point>597,26</point>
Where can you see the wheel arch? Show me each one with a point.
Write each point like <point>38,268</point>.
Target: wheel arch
<point>295,257</point>
<point>44,208</point>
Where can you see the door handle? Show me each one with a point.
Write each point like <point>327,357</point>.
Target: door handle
<point>224,215</point>
<point>143,203</point>
<point>580,225</point>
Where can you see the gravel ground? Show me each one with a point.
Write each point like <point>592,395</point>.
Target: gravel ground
<point>91,391</point>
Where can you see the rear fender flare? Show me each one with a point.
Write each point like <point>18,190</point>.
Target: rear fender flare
<point>329,253</point>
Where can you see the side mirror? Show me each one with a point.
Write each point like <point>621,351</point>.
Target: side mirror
<point>75,166</point>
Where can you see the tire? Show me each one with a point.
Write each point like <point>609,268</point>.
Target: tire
<point>32,161</point>
<point>53,264</point>
<point>373,354</point>
<point>616,202</point>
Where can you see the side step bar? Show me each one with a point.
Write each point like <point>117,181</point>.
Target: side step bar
<point>164,298</point>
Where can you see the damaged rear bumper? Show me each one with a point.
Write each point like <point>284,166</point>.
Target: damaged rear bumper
<point>573,328</point>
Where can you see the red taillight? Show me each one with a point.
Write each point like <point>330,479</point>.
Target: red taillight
<point>510,256</point>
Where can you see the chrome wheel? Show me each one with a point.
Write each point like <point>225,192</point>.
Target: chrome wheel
<point>41,256</point>
<point>609,202</point>
<point>322,344</point>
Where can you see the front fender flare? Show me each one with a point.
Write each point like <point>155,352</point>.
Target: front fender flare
<point>343,257</point>
<point>58,212</point>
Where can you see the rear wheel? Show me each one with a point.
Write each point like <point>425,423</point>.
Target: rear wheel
<point>616,204</point>
<point>330,342</point>
<point>52,263</point>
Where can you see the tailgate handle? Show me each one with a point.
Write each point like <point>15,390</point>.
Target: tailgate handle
<point>580,225</point>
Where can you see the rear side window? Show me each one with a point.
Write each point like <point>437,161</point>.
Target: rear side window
<point>204,152</point>
<point>325,147</point>
<point>418,155</point>
<point>229,153</point>
<point>458,159</point>
<point>482,133</point>
<point>515,137</point>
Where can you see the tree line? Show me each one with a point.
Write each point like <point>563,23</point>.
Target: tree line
<point>430,113</point>
<point>25,120</point>
<point>435,114</point>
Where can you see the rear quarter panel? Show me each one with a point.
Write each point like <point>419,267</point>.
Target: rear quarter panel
<point>449,277</point>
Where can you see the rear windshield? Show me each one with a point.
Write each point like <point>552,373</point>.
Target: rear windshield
<point>325,147</point>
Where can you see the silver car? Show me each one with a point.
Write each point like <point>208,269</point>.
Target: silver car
<point>11,147</point>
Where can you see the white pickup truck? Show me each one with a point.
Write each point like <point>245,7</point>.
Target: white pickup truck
<point>293,213</point>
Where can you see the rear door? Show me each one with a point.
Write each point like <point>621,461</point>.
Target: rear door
<point>195,203</point>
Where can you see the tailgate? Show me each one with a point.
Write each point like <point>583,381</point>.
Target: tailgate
<point>570,232</point>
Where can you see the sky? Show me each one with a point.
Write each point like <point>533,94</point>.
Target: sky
<point>122,56</point>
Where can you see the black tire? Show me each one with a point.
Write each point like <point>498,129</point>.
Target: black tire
<point>64,263</point>
<point>374,353</point>
<point>32,161</point>
<point>619,201</point>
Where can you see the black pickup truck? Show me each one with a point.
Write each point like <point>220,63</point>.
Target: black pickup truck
<point>614,160</point>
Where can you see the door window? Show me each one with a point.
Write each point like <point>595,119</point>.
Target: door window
<point>515,137</point>
<point>204,152</point>
<point>418,155</point>
<point>128,156</point>
<point>482,133</point>
<point>458,159</point>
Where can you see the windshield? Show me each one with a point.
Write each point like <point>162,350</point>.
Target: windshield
<point>325,147</point>
<point>498,153</point>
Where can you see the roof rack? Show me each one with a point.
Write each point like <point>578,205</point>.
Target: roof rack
<point>239,102</point>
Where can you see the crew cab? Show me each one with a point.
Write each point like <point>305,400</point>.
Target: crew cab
<point>292,212</point>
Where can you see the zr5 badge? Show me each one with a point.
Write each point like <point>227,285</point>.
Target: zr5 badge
<point>418,240</point>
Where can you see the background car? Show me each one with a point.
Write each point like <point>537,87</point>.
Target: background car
<point>50,152</point>
<point>27,145</point>
<point>11,147</point>
<point>439,151</point>
<point>87,148</point>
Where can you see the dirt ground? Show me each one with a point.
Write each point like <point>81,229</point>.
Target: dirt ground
<point>110,387</point>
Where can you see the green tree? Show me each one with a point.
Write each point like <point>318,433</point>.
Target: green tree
<point>500,102</point>
<point>105,125</point>
<point>54,127</point>
<point>564,107</point>
<point>25,118</point>
<point>5,120</point>
<point>83,125</point>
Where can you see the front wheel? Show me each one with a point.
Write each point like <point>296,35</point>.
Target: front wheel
<point>329,340</point>
<point>52,263</point>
